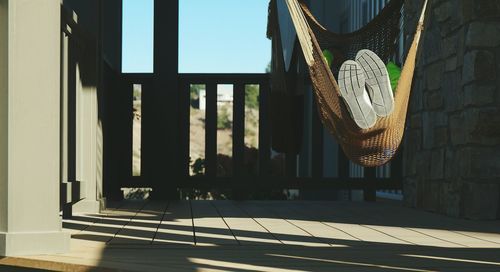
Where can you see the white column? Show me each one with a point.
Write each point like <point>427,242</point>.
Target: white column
<point>86,140</point>
<point>29,128</point>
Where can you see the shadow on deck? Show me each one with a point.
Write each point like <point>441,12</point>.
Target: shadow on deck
<point>278,236</point>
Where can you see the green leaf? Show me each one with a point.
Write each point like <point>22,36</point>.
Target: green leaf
<point>394,74</point>
<point>328,57</point>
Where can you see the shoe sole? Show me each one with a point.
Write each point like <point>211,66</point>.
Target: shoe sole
<point>377,82</point>
<point>352,89</point>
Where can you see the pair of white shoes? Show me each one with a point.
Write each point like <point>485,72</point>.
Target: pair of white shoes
<point>366,88</point>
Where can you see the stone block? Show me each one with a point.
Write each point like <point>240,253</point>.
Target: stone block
<point>416,98</point>
<point>484,163</point>
<point>427,131</point>
<point>483,126</point>
<point>479,95</point>
<point>431,45</point>
<point>479,65</point>
<point>486,8</point>
<point>451,167</point>
<point>437,164</point>
<point>434,75</point>
<point>451,198</point>
<point>423,164</point>
<point>431,195</point>
<point>412,147</point>
<point>453,24</point>
<point>481,201</point>
<point>443,11</point>
<point>483,34</point>
<point>434,101</point>
<point>457,131</point>
<point>410,191</point>
<point>440,136</point>
<point>452,89</point>
<point>451,64</point>
<point>464,162</point>
<point>450,45</point>
<point>440,119</point>
<point>416,121</point>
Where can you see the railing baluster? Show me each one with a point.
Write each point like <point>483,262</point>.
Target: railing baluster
<point>238,129</point>
<point>184,126</point>
<point>264,133</point>
<point>211,130</point>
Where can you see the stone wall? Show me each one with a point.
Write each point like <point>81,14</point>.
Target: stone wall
<point>452,148</point>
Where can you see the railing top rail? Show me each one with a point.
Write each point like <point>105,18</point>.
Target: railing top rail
<point>204,78</point>
<point>225,78</point>
<point>138,77</point>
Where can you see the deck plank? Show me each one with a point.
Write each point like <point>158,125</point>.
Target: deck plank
<point>110,222</point>
<point>246,230</point>
<point>286,232</point>
<point>344,219</point>
<point>142,228</point>
<point>414,226</point>
<point>210,228</point>
<point>176,227</point>
<point>301,227</point>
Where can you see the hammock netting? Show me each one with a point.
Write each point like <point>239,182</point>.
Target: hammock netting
<point>367,147</point>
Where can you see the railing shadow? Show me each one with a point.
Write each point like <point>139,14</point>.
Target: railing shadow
<point>175,246</point>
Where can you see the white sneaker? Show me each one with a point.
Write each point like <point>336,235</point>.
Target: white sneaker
<point>352,89</point>
<point>377,82</point>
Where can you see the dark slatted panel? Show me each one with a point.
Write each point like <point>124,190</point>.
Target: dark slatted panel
<point>317,144</point>
<point>238,129</point>
<point>264,131</point>
<point>290,165</point>
<point>370,176</point>
<point>342,164</point>
<point>211,130</point>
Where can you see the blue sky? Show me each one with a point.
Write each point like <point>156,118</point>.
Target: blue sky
<point>137,36</point>
<point>215,36</point>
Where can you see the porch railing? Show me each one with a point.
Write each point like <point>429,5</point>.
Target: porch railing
<point>263,179</point>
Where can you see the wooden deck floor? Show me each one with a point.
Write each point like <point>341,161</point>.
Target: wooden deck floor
<point>278,236</point>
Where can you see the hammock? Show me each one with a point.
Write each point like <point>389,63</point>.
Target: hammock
<point>367,147</point>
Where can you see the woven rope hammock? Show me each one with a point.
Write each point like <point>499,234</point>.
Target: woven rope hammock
<point>367,147</point>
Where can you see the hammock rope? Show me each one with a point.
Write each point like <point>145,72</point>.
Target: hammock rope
<point>367,147</point>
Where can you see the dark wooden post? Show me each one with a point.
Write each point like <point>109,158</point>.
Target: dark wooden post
<point>264,132</point>
<point>161,129</point>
